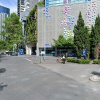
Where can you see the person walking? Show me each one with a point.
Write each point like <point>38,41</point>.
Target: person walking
<point>63,59</point>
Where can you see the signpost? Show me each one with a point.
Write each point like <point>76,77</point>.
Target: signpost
<point>84,53</point>
<point>47,45</point>
<point>14,47</point>
<point>42,52</point>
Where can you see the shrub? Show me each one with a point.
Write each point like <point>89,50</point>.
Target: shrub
<point>96,61</point>
<point>80,61</point>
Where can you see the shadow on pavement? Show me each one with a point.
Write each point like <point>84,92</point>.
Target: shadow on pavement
<point>96,73</point>
<point>2,70</point>
<point>2,86</point>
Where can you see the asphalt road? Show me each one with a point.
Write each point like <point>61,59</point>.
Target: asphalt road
<point>20,79</point>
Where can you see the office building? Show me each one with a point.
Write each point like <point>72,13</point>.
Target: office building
<point>4,12</point>
<point>49,3</point>
<point>61,19</point>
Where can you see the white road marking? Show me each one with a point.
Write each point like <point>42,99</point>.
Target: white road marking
<point>28,59</point>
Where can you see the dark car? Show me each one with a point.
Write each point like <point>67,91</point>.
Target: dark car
<point>2,53</point>
<point>11,53</point>
<point>14,54</point>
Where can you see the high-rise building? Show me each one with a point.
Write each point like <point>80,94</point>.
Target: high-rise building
<point>49,3</point>
<point>23,12</point>
<point>29,4</point>
<point>24,7</point>
<point>79,1</point>
<point>20,6</point>
<point>4,12</point>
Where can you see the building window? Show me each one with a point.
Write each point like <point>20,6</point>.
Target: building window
<point>62,2</point>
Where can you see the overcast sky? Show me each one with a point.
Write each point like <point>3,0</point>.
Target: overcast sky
<point>11,4</point>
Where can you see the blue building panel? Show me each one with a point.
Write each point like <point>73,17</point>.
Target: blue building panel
<point>62,2</point>
<point>4,10</point>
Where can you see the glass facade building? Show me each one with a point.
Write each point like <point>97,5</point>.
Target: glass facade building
<point>49,3</point>
<point>4,12</point>
<point>54,2</point>
<point>79,1</point>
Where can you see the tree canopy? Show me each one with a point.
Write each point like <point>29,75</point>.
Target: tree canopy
<point>12,31</point>
<point>95,37</point>
<point>62,42</point>
<point>2,44</point>
<point>81,37</point>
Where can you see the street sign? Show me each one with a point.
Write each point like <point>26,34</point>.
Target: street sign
<point>84,52</point>
<point>43,52</point>
<point>47,45</point>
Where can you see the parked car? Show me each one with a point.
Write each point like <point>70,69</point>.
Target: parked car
<point>14,54</point>
<point>11,53</point>
<point>1,52</point>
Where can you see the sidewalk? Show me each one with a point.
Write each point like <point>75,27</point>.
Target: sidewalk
<point>40,59</point>
<point>78,72</point>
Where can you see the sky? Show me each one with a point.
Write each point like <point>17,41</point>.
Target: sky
<point>11,4</point>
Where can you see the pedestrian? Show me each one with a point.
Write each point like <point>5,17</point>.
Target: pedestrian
<point>63,59</point>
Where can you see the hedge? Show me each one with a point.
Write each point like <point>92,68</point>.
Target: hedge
<point>80,61</point>
<point>96,61</point>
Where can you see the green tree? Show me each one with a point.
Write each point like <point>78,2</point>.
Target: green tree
<point>81,37</point>
<point>12,31</point>
<point>62,42</point>
<point>31,24</point>
<point>44,2</point>
<point>95,37</point>
<point>2,44</point>
<point>86,41</point>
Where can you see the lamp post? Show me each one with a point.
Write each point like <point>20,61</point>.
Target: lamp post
<point>14,47</point>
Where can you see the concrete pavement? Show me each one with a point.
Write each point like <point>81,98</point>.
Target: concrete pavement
<point>23,80</point>
<point>78,72</point>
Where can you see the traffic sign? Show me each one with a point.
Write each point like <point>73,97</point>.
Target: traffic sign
<point>84,52</point>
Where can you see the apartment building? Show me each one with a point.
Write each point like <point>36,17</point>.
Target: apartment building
<point>23,9</point>
<point>20,6</point>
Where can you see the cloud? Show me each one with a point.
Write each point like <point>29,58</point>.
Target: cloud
<point>1,4</point>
